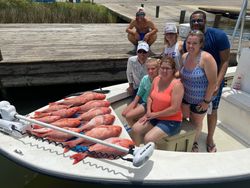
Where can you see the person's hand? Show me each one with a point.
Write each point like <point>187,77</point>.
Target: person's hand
<point>202,106</point>
<point>216,90</point>
<point>146,37</point>
<point>143,119</point>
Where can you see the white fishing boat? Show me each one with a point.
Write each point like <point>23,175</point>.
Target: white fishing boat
<point>142,165</point>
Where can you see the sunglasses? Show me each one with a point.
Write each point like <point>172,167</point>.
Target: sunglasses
<point>193,21</point>
<point>141,52</point>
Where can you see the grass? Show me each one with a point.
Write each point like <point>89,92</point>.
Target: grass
<point>26,11</point>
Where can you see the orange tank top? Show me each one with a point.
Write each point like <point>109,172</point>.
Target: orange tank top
<point>162,100</point>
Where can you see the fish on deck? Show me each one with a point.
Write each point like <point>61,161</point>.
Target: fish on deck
<point>64,113</point>
<point>82,99</point>
<point>87,116</point>
<point>101,132</point>
<point>108,152</point>
<point>107,119</point>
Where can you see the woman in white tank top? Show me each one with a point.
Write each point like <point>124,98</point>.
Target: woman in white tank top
<point>173,47</point>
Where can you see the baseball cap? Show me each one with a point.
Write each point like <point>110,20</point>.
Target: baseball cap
<point>142,45</point>
<point>140,11</point>
<point>170,28</point>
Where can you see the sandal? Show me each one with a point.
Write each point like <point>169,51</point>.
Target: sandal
<point>211,148</point>
<point>195,147</point>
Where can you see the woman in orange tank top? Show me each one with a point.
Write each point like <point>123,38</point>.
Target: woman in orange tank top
<point>164,114</point>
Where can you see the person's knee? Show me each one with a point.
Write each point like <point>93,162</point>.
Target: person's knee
<point>148,138</point>
<point>152,39</point>
<point>132,39</point>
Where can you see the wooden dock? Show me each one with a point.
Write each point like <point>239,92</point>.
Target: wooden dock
<point>45,54</point>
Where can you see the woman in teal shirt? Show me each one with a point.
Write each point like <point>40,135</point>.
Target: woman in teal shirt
<point>137,107</point>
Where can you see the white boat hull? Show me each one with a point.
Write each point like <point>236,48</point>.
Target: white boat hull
<point>163,168</point>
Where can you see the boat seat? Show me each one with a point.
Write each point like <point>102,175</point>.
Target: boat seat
<point>183,141</point>
<point>234,113</point>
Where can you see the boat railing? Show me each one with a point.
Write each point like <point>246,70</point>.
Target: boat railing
<point>241,19</point>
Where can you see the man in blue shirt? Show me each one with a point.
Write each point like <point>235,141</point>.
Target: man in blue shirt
<point>217,44</point>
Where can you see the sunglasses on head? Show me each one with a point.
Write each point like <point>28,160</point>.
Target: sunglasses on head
<point>197,20</point>
<point>141,52</point>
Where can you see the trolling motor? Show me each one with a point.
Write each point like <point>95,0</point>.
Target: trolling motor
<point>9,124</point>
<point>16,125</point>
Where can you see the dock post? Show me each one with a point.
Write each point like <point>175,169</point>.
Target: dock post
<point>3,91</point>
<point>1,56</point>
<point>182,16</point>
<point>217,20</point>
<point>157,11</point>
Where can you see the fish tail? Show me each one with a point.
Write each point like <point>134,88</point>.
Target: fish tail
<point>66,149</point>
<point>35,126</point>
<point>78,157</point>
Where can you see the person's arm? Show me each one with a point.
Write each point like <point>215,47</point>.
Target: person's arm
<point>131,106</point>
<point>180,47</point>
<point>224,56</point>
<point>129,73</point>
<point>153,30</point>
<point>130,29</point>
<point>210,68</point>
<point>178,74</point>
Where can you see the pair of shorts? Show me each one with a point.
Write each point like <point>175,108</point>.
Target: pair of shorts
<point>216,100</point>
<point>142,35</point>
<point>143,104</point>
<point>194,108</point>
<point>169,127</point>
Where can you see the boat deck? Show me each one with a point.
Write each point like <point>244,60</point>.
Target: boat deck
<point>224,140</point>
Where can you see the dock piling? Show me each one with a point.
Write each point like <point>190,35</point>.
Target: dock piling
<point>157,11</point>
<point>182,16</point>
<point>217,20</point>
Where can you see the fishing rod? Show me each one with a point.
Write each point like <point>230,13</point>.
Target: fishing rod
<point>11,123</point>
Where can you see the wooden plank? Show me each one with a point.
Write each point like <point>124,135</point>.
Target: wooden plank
<point>39,54</point>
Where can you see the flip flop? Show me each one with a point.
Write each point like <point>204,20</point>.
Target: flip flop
<point>195,147</point>
<point>211,148</point>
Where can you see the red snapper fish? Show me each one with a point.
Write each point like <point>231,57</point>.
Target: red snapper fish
<point>93,104</point>
<point>107,119</point>
<point>64,122</point>
<point>94,112</point>
<point>54,107</point>
<point>83,98</point>
<point>48,119</point>
<point>64,113</point>
<point>55,135</point>
<point>108,152</point>
<point>101,132</point>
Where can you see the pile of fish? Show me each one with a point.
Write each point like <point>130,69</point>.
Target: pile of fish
<point>89,114</point>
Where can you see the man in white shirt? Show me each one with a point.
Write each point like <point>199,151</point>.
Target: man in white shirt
<point>136,67</point>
